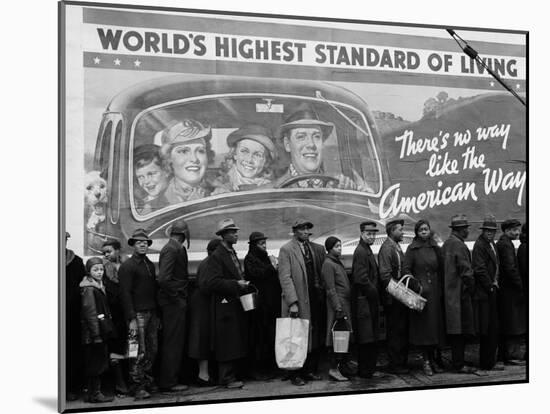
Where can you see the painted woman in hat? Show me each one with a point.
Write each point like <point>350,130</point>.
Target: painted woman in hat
<point>186,152</point>
<point>249,160</point>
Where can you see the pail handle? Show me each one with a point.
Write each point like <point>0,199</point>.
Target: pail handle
<point>338,320</point>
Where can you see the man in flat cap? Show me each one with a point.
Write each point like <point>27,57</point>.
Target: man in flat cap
<point>512,295</point>
<point>300,263</point>
<point>303,135</point>
<point>485,264</point>
<point>459,288</point>
<point>390,259</point>
<point>365,276</point>
<point>224,281</point>
<point>173,284</point>
<point>138,294</point>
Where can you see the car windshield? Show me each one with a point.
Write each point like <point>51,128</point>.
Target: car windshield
<point>201,148</point>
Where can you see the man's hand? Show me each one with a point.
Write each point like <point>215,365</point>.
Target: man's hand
<point>361,184</point>
<point>293,310</point>
<point>345,183</point>
<point>243,284</point>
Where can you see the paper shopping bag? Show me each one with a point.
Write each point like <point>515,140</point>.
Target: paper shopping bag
<point>291,342</point>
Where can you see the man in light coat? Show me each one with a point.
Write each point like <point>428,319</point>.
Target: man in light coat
<point>459,287</point>
<point>300,263</point>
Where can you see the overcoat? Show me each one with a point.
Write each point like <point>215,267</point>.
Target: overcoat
<point>523,263</point>
<point>229,322</point>
<point>459,286</point>
<point>390,261</point>
<point>261,273</point>
<point>172,277</point>
<point>199,310</point>
<point>365,294</point>
<point>94,307</point>
<point>512,306</point>
<point>294,285</point>
<point>485,266</point>
<point>338,291</point>
<point>424,260</point>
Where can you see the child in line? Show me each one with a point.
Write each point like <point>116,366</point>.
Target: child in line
<point>97,328</point>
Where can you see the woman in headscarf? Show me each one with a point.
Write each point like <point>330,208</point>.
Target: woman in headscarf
<point>260,269</point>
<point>338,289</point>
<point>424,260</point>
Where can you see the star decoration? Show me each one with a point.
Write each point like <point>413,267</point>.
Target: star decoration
<point>137,63</point>
<point>518,86</point>
<point>97,60</point>
<point>117,62</point>
<point>492,83</point>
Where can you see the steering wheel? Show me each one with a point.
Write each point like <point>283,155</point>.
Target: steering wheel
<point>293,180</point>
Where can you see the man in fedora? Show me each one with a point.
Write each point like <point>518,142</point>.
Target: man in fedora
<point>365,276</point>
<point>485,264</point>
<point>300,263</point>
<point>138,290</point>
<point>512,296</point>
<point>390,260</point>
<point>459,288</point>
<point>173,283</point>
<point>303,135</point>
<point>224,282</point>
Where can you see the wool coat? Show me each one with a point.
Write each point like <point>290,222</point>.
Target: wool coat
<point>338,289</point>
<point>173,278</point>
<point>261,273</point>
<point>229,323</point>
<point>294,285</point>
<point>511,296</point>
<point>390,261</point>
<point>485,266</point>
<point>199,310</point>
<point>459,286</point>
<point>424,260</point>
<point>365,294</point>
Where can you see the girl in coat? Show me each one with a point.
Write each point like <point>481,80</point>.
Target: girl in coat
<point>97,328</point>
<point>338,300</point>
<point>424,261</point>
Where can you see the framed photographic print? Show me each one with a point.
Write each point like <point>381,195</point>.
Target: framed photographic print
<point>262,207</point>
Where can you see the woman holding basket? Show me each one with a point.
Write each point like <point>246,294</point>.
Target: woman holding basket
<point>424,260</point>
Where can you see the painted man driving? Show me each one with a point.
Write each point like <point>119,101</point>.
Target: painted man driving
<point>304,135</point>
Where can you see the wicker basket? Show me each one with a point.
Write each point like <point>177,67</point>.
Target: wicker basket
<point>400,291</point>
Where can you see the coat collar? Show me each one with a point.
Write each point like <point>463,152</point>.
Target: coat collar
<point>418,243</point>
<point>487,246</point>
<point>90,282</point>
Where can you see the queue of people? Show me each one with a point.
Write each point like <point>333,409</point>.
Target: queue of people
<point>125,303</point>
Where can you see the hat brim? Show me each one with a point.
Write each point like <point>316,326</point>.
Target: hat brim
<point>307,225</point>
<point>456,226</point>
<point>233,139</point>
<point>257,240</point>
<point>132,241</point>
<point>326,127</point>
<point>402,222</point>
<point>488,228</point>
<point>219,232</point>
<point>375,230</point>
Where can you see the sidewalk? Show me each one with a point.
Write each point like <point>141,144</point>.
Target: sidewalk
<point>278,388</point>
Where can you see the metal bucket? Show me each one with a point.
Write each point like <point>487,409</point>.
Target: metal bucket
<point>340,340</point>
<point>249,301</point>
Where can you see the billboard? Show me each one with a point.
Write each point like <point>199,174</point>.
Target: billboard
<point>174,115</point>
